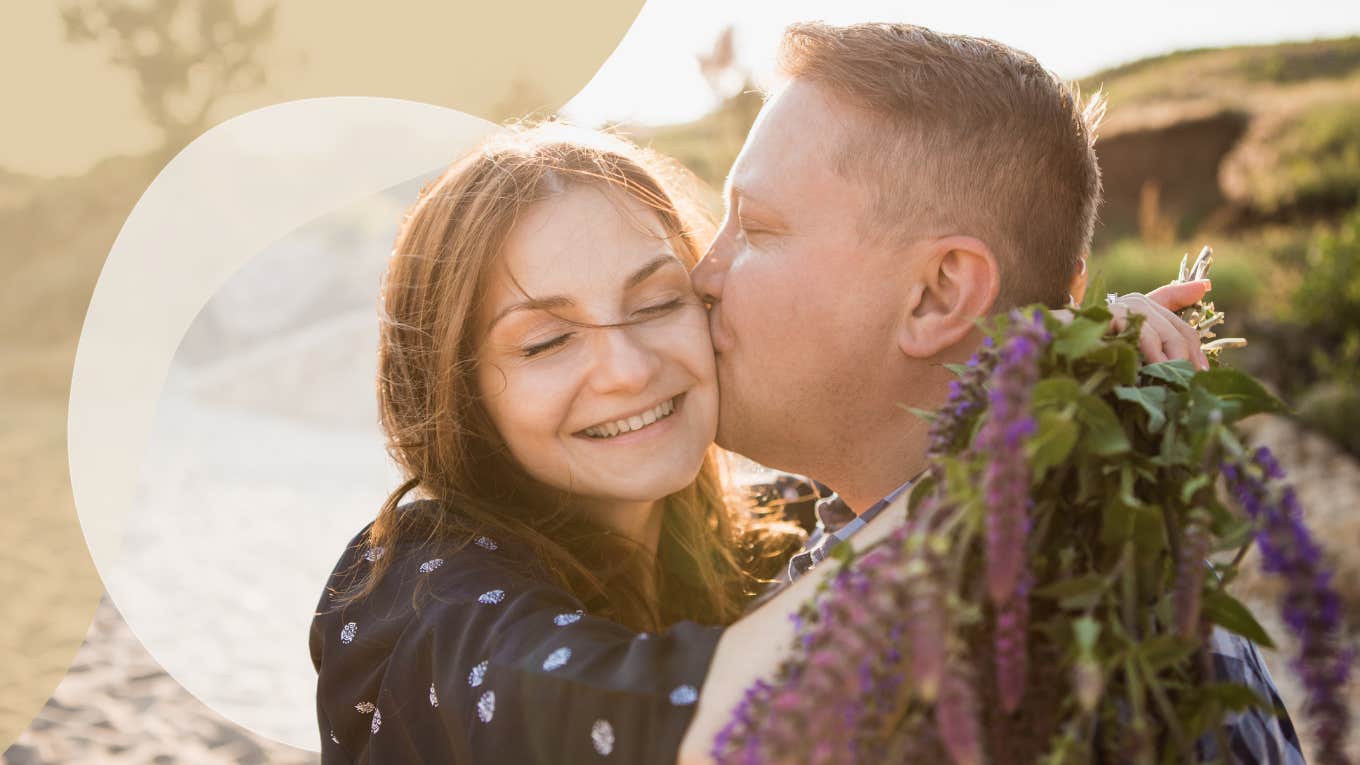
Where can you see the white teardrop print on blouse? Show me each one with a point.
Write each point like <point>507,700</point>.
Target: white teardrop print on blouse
<point>366,707</point>
<point>557,659</point>
<point>563,620</point>
<point>684,695</point>
<point>486,706</point>
<point>476,675</point>
<point>373,554</point>
<point>333,738</point>
<point>431,565</point>
<point>491,597</point>
<point>434,700</point>
<point>377,722</point>
<point>347,632</point>
<point>602,736</point>
<point>486,543</point>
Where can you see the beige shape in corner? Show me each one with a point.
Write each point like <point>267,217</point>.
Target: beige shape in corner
<point>489,59</point>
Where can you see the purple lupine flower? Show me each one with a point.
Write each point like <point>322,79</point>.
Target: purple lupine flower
<point>967,394</point>
<point>956,719</point>
<point>1012,622</point>
<point>1002,439</point>
<point>1310,606</point>
<point>926,621</point>
<point>857,626</point>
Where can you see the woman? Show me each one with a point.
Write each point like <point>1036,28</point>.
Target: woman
<point>547,386</point>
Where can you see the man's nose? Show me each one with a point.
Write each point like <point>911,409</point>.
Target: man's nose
<point>708,275</point>
<point>623,363</point>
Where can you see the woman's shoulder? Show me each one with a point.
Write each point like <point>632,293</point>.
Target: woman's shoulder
<point>395,566</point>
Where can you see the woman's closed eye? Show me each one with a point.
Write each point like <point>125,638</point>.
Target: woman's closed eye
<point>656,309</point>
<point>530,351</point>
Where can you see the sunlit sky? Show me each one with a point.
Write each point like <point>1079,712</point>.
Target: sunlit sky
<point>653,77</point>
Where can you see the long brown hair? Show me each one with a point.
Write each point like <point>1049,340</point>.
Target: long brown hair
<point>714,550</point>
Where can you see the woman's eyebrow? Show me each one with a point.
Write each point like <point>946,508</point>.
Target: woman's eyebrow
<point>561,301</point>
<point>650,268</point>
<point>535,304</point>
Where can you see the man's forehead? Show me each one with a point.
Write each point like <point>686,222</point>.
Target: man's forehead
<point>793,140</point>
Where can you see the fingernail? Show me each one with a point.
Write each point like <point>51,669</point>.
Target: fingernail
<point>1208,285</point>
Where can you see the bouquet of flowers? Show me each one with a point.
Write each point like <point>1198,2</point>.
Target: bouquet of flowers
<point>1064,570</point>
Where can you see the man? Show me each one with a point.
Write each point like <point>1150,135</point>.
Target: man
<point>901,184</point>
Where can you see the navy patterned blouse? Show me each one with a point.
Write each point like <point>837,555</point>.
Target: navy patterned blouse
<point>493,666</point>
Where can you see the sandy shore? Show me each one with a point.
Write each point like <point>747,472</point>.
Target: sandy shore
<point>118,707</point>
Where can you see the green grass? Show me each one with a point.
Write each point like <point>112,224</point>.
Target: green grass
<point>1225,72</point>
<point>1312,159</point>
<point>1239,272</point>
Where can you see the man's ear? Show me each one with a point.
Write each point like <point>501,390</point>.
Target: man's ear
<point>957,281</point>
<point>1078,289</point>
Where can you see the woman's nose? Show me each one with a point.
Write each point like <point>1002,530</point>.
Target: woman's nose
<point>623,363</point>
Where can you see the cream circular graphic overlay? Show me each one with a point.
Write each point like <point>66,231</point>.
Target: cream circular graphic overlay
<point>222,433</point>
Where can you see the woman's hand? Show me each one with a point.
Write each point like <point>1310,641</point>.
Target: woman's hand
<point>1165,336</point>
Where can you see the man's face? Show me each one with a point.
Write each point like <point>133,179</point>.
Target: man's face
<point>803,308</point>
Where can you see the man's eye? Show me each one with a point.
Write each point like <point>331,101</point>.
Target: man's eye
<point>533,350</point>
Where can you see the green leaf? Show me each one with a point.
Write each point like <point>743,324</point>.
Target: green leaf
<point>1079,337</point>
<point>1205,406</point>
<point>1166,650</point>
<point>1234,697</point>
<point>1234,534</point>
<point>1173,450</point>
<point>1228,612</point>
<point>1151,399</point>
<point>1104,433</point>
<point>1053,392</point>
<point>1193,485</point>
<point>1052,443</point>
<point>1095,292</point>
<point>1177,372</point>
<point>1087,631</point>
<point>1077,586</point>
<point>1149,531</point>
<point>1240,388</point>
<point>843,553</point>
<point>1120,358</point>
<point>958,369</point>
<point>1116,522</point>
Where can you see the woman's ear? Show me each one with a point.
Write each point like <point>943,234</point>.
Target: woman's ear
<point>956,282</point>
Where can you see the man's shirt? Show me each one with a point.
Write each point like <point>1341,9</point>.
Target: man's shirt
<point>1253,736</point>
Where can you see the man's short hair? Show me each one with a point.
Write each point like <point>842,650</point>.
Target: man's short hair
<point>962,135</point>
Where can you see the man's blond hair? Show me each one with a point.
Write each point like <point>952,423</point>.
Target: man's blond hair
<point>962,135</point>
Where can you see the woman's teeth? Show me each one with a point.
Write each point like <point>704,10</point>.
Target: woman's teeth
<point>636,422</point>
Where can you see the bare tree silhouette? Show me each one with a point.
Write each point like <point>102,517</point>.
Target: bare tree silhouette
<point>717,65</point>
<point>186,54</point>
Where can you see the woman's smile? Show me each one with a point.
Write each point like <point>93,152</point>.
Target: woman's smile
<point>648,423</point>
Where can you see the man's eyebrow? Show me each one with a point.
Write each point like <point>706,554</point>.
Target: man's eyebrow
<point>561,301</point>
<point>756,207</point>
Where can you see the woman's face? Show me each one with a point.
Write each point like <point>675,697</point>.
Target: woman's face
<point>618,414</point>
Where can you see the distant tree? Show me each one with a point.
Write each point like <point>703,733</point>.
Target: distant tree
<point>187,55</point>
<point>719,66</point>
